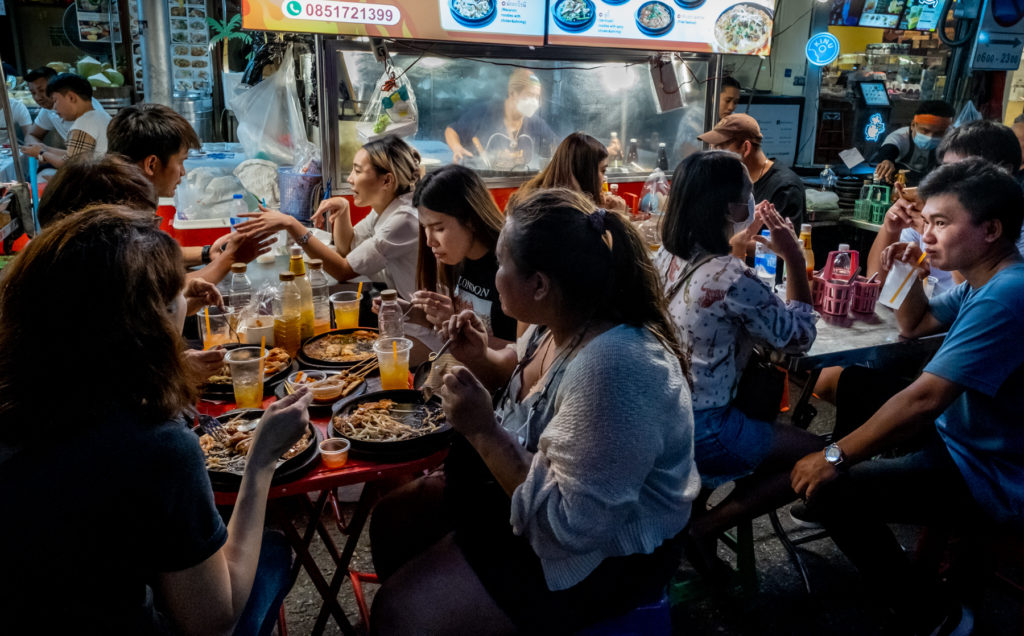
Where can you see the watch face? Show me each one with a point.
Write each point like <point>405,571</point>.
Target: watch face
<point>833,454</point>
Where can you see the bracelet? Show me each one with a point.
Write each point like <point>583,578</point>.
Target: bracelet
<point>302,240</point>
<point>205,258</point>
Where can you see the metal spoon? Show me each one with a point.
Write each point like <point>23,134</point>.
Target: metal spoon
<point>419,378</point>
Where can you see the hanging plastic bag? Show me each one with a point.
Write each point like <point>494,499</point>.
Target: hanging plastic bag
<point>392,109</point>
<point>654,195</point>
<point>270,121</point>
<point>967,114</point>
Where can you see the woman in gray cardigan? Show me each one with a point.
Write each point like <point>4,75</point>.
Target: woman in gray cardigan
<point>589,451</point>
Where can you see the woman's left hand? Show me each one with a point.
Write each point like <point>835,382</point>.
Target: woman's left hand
<point>467,403</point>
<point>265,221</point>
<point>783,239</point>
<point>613,202</point>
<point>436,307</point>
<point>199,293</point>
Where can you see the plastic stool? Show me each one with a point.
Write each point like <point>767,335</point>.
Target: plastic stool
<point>654,619</point>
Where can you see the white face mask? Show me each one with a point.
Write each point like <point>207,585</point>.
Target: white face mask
<point>527,106</point>
<point>739,226</point>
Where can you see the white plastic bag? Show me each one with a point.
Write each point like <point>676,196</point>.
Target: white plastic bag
<point>654,196</point>
<point>270,121</point>
<point>967,114</point>
<point>392,109</point>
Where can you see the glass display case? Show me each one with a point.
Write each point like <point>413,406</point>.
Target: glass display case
<point>603,93</point>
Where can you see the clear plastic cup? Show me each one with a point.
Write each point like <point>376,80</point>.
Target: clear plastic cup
<point>393,358</point>
<point>247,376</point>
<point>929,286</point>
<point>334,452</point>
<point>217,326</point>
<point>346,309</point>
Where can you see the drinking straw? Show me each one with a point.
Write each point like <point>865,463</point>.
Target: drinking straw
<point>206,310</point>
<point>905,280</point>
<point>394,351</point>
<point>359,291</point>
<point>263,348</point>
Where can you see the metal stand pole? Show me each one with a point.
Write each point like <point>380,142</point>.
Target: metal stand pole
<point>9,118</point>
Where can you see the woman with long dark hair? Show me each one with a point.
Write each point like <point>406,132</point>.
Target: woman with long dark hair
<point>721,311</point>
<point>582,486</point>
<point>92,391</point>
<point>579,163</point>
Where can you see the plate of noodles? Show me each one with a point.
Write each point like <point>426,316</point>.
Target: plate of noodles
<point>338,348</point>
<point>398,424</point>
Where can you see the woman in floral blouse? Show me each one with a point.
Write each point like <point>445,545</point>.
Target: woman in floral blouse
<point>721,310</point>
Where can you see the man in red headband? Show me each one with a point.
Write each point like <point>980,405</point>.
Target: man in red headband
<point>913,147</point>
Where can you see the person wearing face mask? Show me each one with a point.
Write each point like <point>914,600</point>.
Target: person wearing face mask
<point>773,183</point>
<point>508,134</point>
<point>721,311</point>
<point>913,147</point>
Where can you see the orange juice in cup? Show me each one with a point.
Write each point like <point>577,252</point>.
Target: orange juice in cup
<point>247,375</point>
<point>346,309</point>
<point>393,358</point>
<point>217,326</point>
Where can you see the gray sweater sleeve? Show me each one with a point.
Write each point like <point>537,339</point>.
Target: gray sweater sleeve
<point>618,453</point>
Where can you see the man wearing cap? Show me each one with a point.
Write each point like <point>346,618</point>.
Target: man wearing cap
<point>777,184</point>
<point>507,134</point>
<point>913,147</point>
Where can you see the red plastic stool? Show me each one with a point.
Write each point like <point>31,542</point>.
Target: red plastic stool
<point>358,578</point>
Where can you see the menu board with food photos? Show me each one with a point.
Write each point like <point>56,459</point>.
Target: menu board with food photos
<point>487,21</point>
<point>718,26</point>
<point>191,68</point>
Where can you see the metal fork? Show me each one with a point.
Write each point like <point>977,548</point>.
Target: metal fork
<point>213,427</point>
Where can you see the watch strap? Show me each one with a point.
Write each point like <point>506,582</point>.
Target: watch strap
<point>302,240</point>
<point>205,257</point>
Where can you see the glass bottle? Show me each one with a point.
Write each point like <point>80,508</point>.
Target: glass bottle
<point>389,317</point>
<point>288,314</point>
<point>632,155</point>
<point>298,267</point>
<point>662,157</point>
<point>321,297</point>
<point>805,236</point>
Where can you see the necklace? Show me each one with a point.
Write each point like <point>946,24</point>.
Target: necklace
<point>764,169</point>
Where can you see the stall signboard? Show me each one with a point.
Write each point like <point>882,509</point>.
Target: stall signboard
<point>999,39</point>
<point>822,49</point>
<point>488,21</point>
<point>883,14</point>
<point>703,26</point>
<point>779,119</point>
<point>922,15</point>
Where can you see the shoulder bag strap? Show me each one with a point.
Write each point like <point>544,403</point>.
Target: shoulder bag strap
<point>671,292</point>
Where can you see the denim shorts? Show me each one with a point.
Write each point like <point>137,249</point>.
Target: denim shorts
<point>728,445</point>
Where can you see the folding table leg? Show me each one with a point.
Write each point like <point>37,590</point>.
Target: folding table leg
<point>355,530</point>
<point>803,412</point>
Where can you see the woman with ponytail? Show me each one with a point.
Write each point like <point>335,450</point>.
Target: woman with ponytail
<point>585,468</point>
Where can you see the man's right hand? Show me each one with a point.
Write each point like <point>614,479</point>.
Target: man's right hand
<point>459,153</point>
<point>902,214</point>
<point>329,210</point>
<point>885,170</point>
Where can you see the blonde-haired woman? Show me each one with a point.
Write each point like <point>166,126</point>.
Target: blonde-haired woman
<point>384,173</point>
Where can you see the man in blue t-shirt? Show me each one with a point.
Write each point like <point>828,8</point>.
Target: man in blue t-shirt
<point>969,473</point>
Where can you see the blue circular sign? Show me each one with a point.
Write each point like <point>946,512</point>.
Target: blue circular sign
<point>822,49</point>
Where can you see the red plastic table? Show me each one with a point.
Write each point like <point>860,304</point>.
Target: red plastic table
<point>322,480</point>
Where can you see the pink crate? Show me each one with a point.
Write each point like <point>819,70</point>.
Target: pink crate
<point>817,290</point>
<point>836,299</point>
<point>865,295</point>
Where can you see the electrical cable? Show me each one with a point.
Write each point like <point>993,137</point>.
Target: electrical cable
<point>941,30</point>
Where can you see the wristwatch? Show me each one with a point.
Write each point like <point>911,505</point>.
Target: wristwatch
<point>302,240</point>
<point>834,455</point>
<point>205,257</point>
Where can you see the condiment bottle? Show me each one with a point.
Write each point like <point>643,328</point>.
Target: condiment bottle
<point>805,236</point>
<point>288,314</point>
<point>298,267</point>
<point>841,264</point>
<point>389,317</point>
<point>321,297</point>
<point>632,155</point>
<point>662,157</point>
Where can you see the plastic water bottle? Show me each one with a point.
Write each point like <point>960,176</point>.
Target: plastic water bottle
<point>841,263</point>
<point>768,261</point>
<point>389,317</point>
<point>321,297</point>
<point>238,208</point>
<point>240,288</point>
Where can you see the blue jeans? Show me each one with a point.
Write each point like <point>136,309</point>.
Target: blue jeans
<point>272,583</point>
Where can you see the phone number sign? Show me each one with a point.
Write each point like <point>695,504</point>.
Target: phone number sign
<point>352,12</point>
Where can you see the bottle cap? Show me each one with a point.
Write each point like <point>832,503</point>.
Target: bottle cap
<point>632,140</point>
<point>315,263</point>
<point>801,242</point>
<point>615,135</point>
<point>286,276</point>
<point>843,247</point>
<point>389,294</point>
<point>238,268</point>
<point>661,145</point>
<point>296,250</point>
<point>767,233</point>
<point>805,227</point>
<point>237,196</point>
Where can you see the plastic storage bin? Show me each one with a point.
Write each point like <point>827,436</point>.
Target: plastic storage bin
<point>837,292</point>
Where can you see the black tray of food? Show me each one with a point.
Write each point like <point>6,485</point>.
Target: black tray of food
<point>323,408</point>
<point>230,478</point>
<point>224,390</point>
<point>338,348</point>
<point>410,410</point>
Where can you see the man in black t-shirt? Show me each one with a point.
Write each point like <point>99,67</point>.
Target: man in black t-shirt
<point>777,184</point>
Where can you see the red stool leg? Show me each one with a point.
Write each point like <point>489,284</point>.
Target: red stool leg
<point>282,629</point>
<point>357,591</point>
